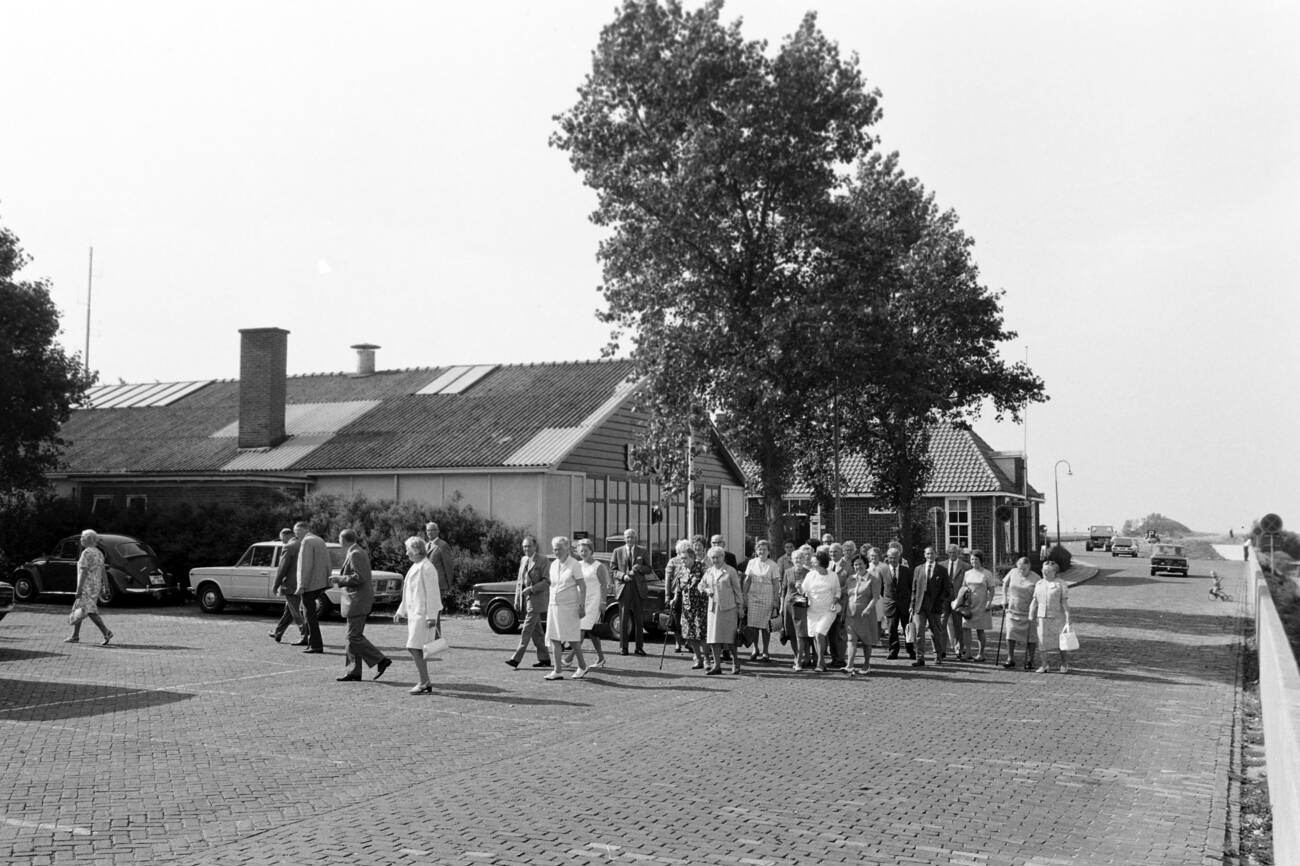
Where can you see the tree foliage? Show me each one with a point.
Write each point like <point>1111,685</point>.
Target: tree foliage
<point>760,280</point>
<point>39,382</point>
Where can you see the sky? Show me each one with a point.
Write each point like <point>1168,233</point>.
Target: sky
<point>380,173</point>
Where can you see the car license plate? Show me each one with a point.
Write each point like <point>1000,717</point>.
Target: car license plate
<point>157,580</point>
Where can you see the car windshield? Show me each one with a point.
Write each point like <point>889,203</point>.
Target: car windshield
<point>1168,550</point>
<point>336,557</point>
<point>133,549</point>
<point>1103,530</point>
<point>1123,541</point>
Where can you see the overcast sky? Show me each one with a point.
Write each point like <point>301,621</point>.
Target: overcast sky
<point>380,172</point>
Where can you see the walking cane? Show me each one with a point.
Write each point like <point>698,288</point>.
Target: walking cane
<point>997,657</point>
<point>663,651</point>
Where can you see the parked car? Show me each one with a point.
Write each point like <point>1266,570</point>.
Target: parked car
<point>1099,537</point>
<point>249,581</point>
<point>6,598</point>
<point>1168,557</point>
<point>1122,546</point>
<point>496,600</point>
<point>131,566</point>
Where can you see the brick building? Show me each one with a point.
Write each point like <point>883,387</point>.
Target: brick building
<point>540,446</point>
<point>972,484</point>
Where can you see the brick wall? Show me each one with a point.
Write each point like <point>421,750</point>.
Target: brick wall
<point>263,359</point>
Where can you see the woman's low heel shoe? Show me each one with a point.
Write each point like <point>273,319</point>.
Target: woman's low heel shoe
<point>422,689</point>
<point>713,671</point>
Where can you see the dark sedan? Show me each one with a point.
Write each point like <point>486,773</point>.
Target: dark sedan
<point>131,566</point>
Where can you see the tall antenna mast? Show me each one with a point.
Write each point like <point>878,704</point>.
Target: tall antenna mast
<point>90,280</point>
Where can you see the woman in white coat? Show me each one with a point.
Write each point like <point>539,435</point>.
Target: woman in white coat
<point>421,607</point>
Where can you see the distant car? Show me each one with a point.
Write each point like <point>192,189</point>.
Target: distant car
<point>1099,537</point>
<point>6,598</point>
<point>496,600</point>
<point>1168,557</point>
<point>249,581</point>
<point>1121,546</point>
<point>131,565</point>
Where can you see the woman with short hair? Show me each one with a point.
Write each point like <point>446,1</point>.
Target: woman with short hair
<point>794,606</point>
<point>862,596</point>
<point>90,581</point>
<point>1017,593</point>
<point>598,580</point>
<point>822,588</point>
<point>982,585</point>
<point>1050,609</point>
<point>762,588</point>
<point>692,603</point>
<point>421,607</point>
<point>726,599</point>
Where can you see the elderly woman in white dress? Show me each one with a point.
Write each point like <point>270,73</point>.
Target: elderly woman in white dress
<point>567,608</point>
<point>421,607</point>
<point>982,584</point>
<point>90,580</point>
<point>822,587</point>
<point>762,588</point>
<point>726,597</point>
<point>598,581</point>
<point>1050,609</point>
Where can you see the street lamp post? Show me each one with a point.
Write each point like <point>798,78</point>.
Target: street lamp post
<point>1056,475</point>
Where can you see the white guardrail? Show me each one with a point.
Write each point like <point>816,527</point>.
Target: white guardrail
<point>1279,696</point>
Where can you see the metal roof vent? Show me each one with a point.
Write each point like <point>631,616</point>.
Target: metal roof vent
<point>365,358</point>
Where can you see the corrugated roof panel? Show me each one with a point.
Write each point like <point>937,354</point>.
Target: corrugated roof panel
<point>120,396</point>
<point>278,458</point>
<point>304,418</point>
<point>471,376</point>
<point>147,396</point>
<point>141,394</point>
<point>547,446</point>
<point>448,376</point>
<point>178,391</point>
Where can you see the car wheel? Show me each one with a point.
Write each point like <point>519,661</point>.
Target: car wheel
<point>502,618</point>
<point>108,592</point>
<point>614,623</point>
<point>210,598</point>
<point>1153,571</point>
<point>25,587</point>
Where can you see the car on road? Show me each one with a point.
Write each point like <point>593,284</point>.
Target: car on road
<point>1122,546</point>
<point>1168,557</point>
<point>1099,537</point>
<point>250,579</point>
<point>6,598</point>
<point>496,600</point>
<point>131,568</point>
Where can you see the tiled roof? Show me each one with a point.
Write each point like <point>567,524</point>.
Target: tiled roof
<point>963,463</point>
<point>338,421</point>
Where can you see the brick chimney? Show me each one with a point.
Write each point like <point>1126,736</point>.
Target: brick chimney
<point>365,358</point>
<point>263,363</point>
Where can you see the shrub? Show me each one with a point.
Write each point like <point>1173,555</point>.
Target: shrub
<point>1060,556</point>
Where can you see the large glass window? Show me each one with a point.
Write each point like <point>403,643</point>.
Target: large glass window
<point>959,522</point>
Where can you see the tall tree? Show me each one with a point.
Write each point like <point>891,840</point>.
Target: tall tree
<point>39,382</point>
<point>714,164</point>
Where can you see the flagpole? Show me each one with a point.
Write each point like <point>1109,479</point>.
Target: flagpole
<point>90,280</point>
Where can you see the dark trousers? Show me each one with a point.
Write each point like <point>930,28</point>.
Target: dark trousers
<point>292,614</point>
<point>360,649</point>
<point>898,620</point>
<point>309,602</point>
<point>532,630</point>
<point>835,641</point>
<point>938,636</point>
<point>629,620</point>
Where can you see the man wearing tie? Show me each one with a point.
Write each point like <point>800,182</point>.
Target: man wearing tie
<point>929,597</point>
<point>631,569</point>
<point>956,577</point>
<point>440,555</point>
<point>354,578</point>
<point>896,596</point>
<point>313,577</point>
<point>532,592</point>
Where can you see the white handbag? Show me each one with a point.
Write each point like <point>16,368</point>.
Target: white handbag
<point>436,647</point>
<point>1069,640</point>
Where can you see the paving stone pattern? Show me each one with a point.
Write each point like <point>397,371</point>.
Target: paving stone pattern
<point>196,739</point>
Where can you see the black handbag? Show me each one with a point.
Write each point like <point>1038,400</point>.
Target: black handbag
<point>799,600</point>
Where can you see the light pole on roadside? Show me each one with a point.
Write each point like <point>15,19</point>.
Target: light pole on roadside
<point>1056,475</point>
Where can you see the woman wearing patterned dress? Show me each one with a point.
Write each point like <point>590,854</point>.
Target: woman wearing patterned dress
<point>762,587</point>
<point>90,580</point>
<point>862,597</point>
<point>726,599</point>
<point>793,613</point>
<point>982,584</point>
<point>1017,592</point>
<point>694,604</point>
<point>1050,608</point>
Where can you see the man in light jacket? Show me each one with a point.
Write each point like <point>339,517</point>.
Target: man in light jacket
<point>313,577</point>
<point>354,577</point>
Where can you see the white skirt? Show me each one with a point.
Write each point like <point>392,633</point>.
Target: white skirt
<point>418,633</point>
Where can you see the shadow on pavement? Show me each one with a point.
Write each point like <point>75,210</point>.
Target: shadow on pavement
<point>14,655</point>
<point>1193,624</point>
<point>41,701</point>
<point>471,692</point>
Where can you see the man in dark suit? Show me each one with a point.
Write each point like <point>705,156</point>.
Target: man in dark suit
<point>440,555</point>
<point>313,577</point>
<point>956,569</point>
<point>631,570</point>
<point>929,597</point>
<point>286,584</point>
<point>896,596</point>
<point>532,591</point>
<point>727,556</point>
<point>354,577</point>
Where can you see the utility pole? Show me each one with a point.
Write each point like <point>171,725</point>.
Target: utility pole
<point>90,280</point>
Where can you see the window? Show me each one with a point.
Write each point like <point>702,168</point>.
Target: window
<point>101,504</point>
<point>69,549</point>
<point>263,556</point>
<point>137,502</point>
<point>959,522</point>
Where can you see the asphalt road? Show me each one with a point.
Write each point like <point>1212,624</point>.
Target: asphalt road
<point>196,739</point>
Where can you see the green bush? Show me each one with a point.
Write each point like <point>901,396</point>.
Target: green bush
<point>1060,556</point>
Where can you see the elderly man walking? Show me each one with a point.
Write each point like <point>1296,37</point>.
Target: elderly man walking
<point>313,577</point>
<point>631,569</point>
<point>286,584</point>
<point>439,553</point>
<point>354,578</point>
<point>532,592</point>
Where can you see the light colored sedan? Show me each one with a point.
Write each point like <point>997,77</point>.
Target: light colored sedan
<point>249,581</point>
